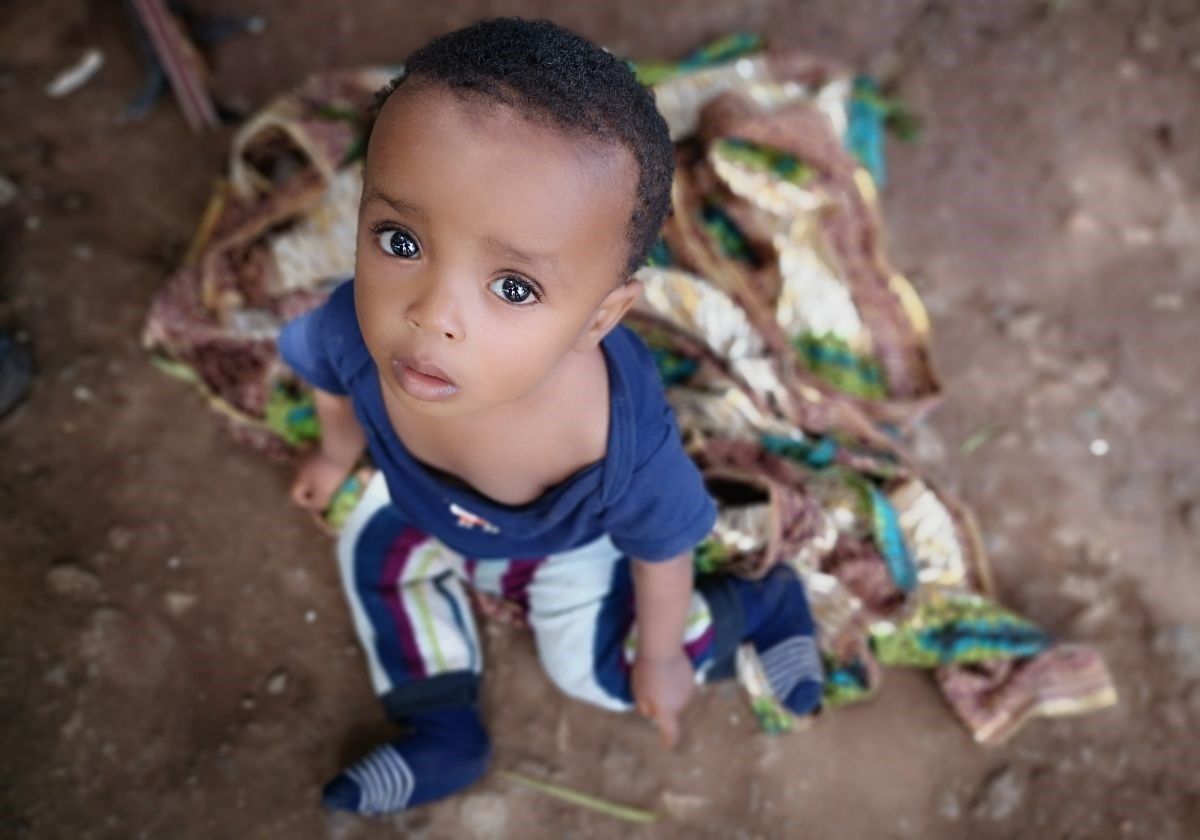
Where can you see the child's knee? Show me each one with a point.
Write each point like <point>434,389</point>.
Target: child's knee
<point>571,667</point>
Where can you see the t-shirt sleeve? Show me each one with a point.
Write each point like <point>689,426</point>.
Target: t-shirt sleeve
<point>666,510</point>
<point>309,344</point>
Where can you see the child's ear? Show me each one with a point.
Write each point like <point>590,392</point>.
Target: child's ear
<point>609,313</point>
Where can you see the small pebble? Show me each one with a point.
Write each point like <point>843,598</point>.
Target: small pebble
<point>77,75</point>
<point>179,602</point>
<point>1099,447</point>
<point>247,702</point>
<point>277,683</point>
<point>174,562</point>
<point>73,582</point>
<point>82,393</point>
<point>310,616</point>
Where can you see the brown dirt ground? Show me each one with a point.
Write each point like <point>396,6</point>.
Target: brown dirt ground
<point>154,579</point>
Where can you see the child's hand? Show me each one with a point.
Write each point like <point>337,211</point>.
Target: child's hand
<point>661,689</point>
<point>317,479</point>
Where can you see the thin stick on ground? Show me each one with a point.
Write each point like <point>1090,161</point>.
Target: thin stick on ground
<point>583,800</point>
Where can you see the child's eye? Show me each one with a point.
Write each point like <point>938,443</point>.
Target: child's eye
<point>399,243</point>
<point>514,290</point>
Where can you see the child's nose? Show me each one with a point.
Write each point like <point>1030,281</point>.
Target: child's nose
<point>435,311</point>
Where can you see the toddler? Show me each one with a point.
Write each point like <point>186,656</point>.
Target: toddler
<point>516,177</point>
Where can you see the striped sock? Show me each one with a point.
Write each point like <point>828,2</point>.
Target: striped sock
<point>794,671</point>
<point>447,751</point>
<point>780,626</point>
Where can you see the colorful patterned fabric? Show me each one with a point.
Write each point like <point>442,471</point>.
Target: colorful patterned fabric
<point>955,628</point>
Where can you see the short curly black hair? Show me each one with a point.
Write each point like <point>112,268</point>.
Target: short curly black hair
<point>549,73</point>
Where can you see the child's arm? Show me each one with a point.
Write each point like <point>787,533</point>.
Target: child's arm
<point>663,678</point>
<point>324,469</point>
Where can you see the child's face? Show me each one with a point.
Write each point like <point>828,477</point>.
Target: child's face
<point>489,249</point>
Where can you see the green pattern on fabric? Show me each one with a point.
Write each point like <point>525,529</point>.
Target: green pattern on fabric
<point>727,48</point>
<point>177,370</point>
<point>292,415</point>
<point>709,556</point>
<point>898,116</point>
<point>818,453</point>
<point>885,526</point>
<point>344,501</point>
<point>772,717</point>
<point>846,683</point>
<point>784,166</point>
<point>865,137</point>
<point>674,368</point>
<point>831,358</point>
<point>726,234</point>
<point>660,255</point>
<point>956,628</point>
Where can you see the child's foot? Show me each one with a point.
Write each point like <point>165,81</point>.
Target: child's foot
<point>780,626</point>
<point>446,751</point>
<point>794,671</point>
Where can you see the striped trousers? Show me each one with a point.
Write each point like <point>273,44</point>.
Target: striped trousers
<point>408,598</point>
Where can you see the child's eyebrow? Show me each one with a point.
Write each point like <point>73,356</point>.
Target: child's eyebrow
<point>375,194</point>
<point>548,261</point>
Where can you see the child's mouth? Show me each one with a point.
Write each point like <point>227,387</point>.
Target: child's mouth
<point>421,381</point>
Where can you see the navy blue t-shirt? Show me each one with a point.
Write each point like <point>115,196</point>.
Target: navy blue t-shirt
<point>646,494</point>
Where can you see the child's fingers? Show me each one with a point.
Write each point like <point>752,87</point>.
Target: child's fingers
<point>667,722</point>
